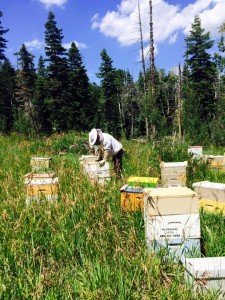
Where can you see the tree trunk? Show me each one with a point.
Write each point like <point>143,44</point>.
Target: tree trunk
<point>179,105</point>
<point>142,50</point>
<point>152,69</point>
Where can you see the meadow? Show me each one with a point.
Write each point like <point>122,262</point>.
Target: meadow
<point>84,246</point>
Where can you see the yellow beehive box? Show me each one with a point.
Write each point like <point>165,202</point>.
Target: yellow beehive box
<point>40,163</point>
<point>38,190</point>
<point>142,181</point>
<point>212,205</point>
<point>215,161</point>
<point>173,174</point>
<point>131,198</point>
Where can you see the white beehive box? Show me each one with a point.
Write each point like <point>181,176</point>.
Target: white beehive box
<point>196,151</point>
<point>170,201</point>
<point>84,159</point>
<point>97,173</point>
<point>176,249</point>
<point>173,174</point>
<point>42,190</point>
<point>206,273</point>
<point>210,190</point>
<point>40,163</point>
<point>172,227</point>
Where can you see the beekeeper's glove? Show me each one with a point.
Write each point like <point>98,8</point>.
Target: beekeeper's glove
<point>102,162</point>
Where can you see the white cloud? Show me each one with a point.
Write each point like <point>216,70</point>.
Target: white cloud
<point>173,38</point>
<point>79,45</point>
<point>49,3</point>
<point>34,45</point>
<point>168,20</point>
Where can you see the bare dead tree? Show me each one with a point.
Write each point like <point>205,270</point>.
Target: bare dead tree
<point>179,104</point>
<point>142,49</point>
<point>151,52</point>
<point>152,67</point>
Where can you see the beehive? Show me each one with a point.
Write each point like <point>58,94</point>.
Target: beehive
<point>206,274</point>
<point>215,161</point>
<point>170,201</point>
<point>40,163</point>
<point>41,190</point>
<point>38,176</point>
<point>212,206</point>
<point>97,173</point>
<point>196,151</point>
<point>84,159</point>
<point>142,181</point>
<point>173,174</point>
<point>172,227</point>
<point>176,249</point>
<point>210,190</point>
<point>131,198</point>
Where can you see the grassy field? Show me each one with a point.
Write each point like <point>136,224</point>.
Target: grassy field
<point>84,247</point>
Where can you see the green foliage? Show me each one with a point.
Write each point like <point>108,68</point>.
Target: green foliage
<point>3,41</point>
<point>84,246</point>
<point>7,86</point>
<point>110,113</point>
<point>78,105</point>
<point>199,93</point>
<point>56,75</point>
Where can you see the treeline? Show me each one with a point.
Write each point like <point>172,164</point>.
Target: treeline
<point>58,96</point>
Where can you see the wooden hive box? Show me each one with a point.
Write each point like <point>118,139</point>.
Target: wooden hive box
<point>40,163</point>
<point>41,190</point>
<point>173,174</point>
<point>131,198</point>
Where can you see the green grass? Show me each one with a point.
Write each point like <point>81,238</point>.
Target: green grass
<point>83,246</point>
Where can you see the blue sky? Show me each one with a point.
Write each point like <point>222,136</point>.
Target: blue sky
<point>110,24</point>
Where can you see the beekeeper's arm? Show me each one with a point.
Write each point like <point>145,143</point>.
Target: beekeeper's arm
<point>106,149</point>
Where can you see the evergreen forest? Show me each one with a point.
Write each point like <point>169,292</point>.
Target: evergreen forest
<point>57,95</point>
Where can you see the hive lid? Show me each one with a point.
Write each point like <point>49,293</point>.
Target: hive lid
<point>41,158</point>
<point>43,181</point>
<point>206,267</point>
<point>143,179</point>
<point>173,164</point>
<point>210,185</point>
<point>170,192</point>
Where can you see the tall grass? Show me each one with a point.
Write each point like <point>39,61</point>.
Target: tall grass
<point>83,246</point>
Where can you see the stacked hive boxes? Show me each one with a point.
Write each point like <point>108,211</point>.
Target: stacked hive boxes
<point>131,194</point>
<point>173,174</point>
<point>41,186</point>
<point>206,273</point>
<point>211,195</point>
<point>195,151</point>
<point>172,220</point>
<point>96,173</point>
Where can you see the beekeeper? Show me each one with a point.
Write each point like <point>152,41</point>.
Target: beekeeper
<point>108,146</point>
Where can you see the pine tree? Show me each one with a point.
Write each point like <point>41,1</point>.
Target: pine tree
<point>57,74</point>
<point>7,86</point>
<point>42,113</point>
<point>79,99</point>
<point>110,111</point>
<point>25,80</point>
<point>3,41</point>
<point>202,76</point>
